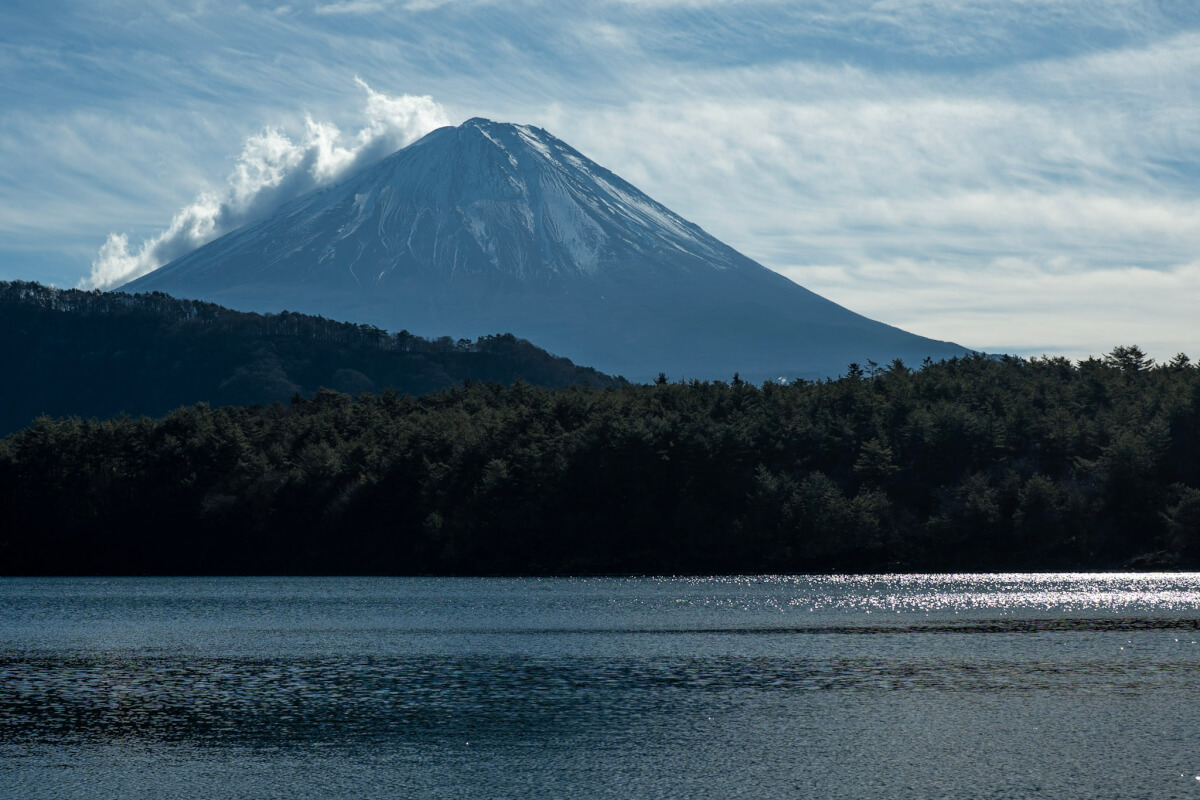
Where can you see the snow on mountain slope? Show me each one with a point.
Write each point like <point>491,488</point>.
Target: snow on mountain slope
<point>491,227</point>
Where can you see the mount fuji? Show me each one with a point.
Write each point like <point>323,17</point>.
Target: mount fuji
<point>491,227</point>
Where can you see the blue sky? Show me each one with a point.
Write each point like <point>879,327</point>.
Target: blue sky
<point>1015,176</point>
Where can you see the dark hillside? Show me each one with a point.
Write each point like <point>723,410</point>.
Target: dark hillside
<point>93,354</point>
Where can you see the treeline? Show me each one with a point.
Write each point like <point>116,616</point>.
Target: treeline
<point>98,354</point>
<point>969,464</point>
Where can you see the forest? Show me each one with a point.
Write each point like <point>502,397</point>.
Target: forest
<point>97,354</point>
<point>977,463</point>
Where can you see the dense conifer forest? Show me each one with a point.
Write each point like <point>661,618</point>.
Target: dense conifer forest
<point>976,463</point>
<point>98,354</point>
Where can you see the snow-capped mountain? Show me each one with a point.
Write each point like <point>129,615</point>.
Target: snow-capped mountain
<point>491,227</point>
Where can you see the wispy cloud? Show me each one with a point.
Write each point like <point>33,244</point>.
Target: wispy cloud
<point>353,7</point>
<point>271,170</point>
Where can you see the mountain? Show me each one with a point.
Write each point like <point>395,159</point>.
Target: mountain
<point>492,227</point>
<point>87,354</point>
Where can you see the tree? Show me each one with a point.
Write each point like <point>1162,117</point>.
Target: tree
<point>1129,359</point>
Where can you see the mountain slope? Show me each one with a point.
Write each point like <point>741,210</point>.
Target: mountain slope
<point>73,353</point>
<point>491,226</point>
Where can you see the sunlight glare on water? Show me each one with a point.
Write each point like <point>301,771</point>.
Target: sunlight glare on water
<point>813,599</point>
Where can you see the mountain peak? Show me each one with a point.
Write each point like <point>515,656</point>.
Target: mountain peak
<point>538,144</point>
<point>485,124</point>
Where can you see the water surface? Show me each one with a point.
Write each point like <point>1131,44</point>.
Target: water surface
<point>1059,686</point>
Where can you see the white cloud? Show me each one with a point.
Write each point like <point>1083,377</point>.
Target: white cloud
<point>271,170</point>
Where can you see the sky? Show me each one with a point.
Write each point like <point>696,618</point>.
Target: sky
<point>1017,176</point>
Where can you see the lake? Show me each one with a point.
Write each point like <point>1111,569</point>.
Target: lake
<point>905,686</point>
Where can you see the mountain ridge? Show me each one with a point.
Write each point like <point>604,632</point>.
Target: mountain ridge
<point>90,354</point>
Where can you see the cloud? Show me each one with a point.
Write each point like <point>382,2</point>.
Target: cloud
<point>352,7</point>
<point>271,170</point>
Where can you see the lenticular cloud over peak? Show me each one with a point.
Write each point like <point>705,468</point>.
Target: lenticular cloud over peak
<point>271,170</point>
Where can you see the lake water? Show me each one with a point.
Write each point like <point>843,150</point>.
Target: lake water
<point>1001,686</point>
